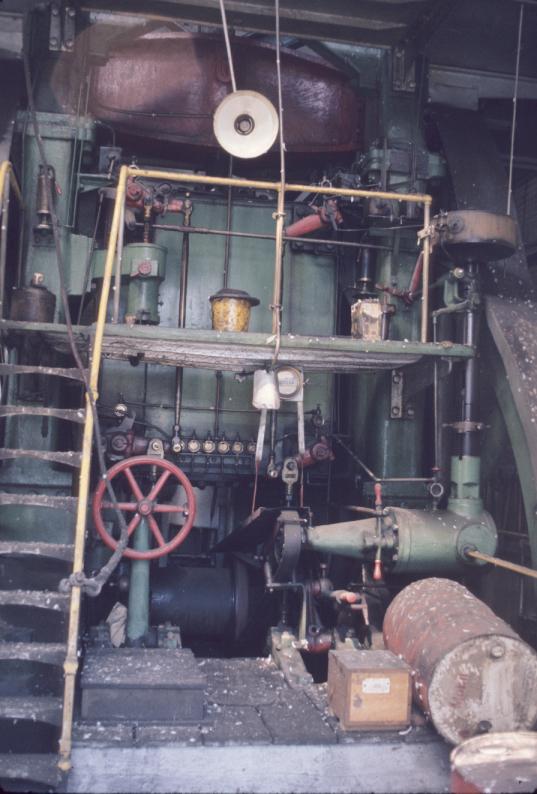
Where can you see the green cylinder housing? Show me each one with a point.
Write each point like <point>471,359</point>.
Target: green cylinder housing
<point>146,265</point>
<point>413,541</point>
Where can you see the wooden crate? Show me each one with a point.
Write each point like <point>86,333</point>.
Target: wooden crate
<point>369,690</point>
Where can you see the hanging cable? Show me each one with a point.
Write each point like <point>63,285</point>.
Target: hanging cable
<point>280,211</point>
<point>228,46</point>
<point>515,103</point>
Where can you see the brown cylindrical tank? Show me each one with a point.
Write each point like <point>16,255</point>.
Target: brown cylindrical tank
<point>33,303</point>
<point>499,763</point>
<point>472,673</point>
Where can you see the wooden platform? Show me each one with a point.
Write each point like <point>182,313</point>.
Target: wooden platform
<point>240,352</point>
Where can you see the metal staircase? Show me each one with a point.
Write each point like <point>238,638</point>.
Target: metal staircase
<point>38,624</point>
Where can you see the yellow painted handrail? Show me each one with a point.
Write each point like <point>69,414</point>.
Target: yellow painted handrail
<point>7,180</point>
<point>71,662</point>
<point>6,170</point>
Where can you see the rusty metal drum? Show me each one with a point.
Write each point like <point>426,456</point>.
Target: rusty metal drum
<point>33,304</point>
<point>499,763</point>
<point>472,673</point>
<point>472,235</point>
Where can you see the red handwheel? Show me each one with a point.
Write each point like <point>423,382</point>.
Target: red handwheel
<point>146,506</point>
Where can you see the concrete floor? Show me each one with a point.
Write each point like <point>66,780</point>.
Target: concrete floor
<point>258,736</point>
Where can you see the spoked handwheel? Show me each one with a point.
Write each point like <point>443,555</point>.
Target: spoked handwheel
<point>145,506</point>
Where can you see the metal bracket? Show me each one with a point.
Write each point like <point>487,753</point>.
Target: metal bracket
<point>403,73</point>
<point>62,29</point>
<point>399,407</point>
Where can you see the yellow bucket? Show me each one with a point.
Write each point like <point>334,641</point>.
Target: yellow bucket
<point>231,309</point>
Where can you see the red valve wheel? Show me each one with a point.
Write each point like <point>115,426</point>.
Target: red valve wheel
<point>146,506</point>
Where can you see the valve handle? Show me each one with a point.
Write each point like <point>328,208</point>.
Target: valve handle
<point>146,506</point>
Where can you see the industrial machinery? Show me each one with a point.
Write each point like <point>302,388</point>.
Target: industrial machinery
<point>258,308</point>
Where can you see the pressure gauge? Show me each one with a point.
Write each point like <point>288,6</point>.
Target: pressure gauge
<point>223,446</point>
<point>208,446</point>
<point>237,447</point>
<point>290,383</point>
<point>193,445</point>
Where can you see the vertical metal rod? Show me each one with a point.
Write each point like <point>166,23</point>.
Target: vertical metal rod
<point>426,271</point>
<point>228,46</point>
<point>227,250</point>
<point>280,209</point>
<point>138,609</point>
<point>469,439</point>
<point>436,456</point>
<point>229,213</point>
<point>515,104</point>
<point>185,256</point>
<point>119,260</point>
<point>4,209</point>
<point>7,178</point>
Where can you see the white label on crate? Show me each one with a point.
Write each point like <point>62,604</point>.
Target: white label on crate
<point>376,686</point>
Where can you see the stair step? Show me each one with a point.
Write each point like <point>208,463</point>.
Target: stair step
<point>29,771</point>
<point>67,458</point>
<point>33,616</point>
<point>69,414</point>
<point>37,709</point>
<point>40,500</point>
<point>55,551</point>
<point>27,369</point>
<point>46,652</point>
<point>35,598</point>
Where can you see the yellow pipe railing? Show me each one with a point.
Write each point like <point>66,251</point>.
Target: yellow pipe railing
<point>71,662</point>
<point>6,170</point>
<point>7,179</point>
<point>277,187</point>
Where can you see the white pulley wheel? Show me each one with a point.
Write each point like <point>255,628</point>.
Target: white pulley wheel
<point>245,124</point>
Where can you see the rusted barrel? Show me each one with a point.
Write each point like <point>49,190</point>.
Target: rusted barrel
<point>472,673</point>
<point>499,763</point>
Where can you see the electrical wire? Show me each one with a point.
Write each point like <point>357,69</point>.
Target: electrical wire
<point>515,105</point>
<point>277,308</point>
<point>228,46</point>
<point>93,585</point>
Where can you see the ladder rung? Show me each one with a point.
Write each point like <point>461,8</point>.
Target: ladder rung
<point>67,458</point>
<point>43,551</point>
<point>69,414</point>
<point>31,767</point>
<point>28,369</point>
<point>48,652</point>
<point>39,500</point>
<point>41,708</point>
<point>58,602</point>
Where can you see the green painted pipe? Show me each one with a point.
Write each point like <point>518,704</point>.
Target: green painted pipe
<point>138,613</point>
<point>414,541</point>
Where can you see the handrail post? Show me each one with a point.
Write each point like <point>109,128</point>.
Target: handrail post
<point>71,660</point>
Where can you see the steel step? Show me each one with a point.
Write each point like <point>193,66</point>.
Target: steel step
<point>55,551</point>
<point>27,772</point>
<point>67,458</point>
<point>33,616</point>
<point>37,709</point>
<point>69,414</point>
<point>46,652</point>
<point>39,500</point>
<point>35,598</point>
<point>27,369</point>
